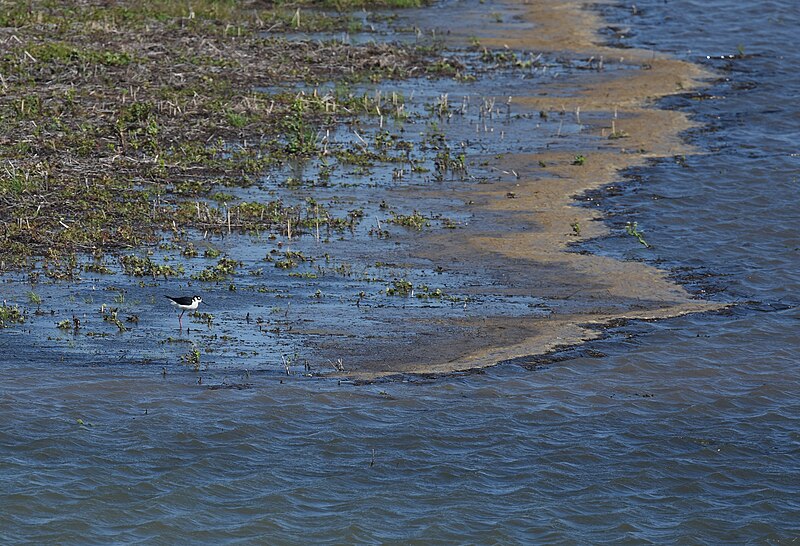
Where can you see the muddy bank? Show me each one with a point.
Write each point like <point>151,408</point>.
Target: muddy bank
<point>523,230</point>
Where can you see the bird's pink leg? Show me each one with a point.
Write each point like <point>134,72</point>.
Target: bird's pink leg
<point>180,324</point>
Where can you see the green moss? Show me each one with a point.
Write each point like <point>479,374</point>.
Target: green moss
<point>64,53</point>
<point>236,119</point>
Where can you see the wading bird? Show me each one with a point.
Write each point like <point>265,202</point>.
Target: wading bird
<point>186,303</point>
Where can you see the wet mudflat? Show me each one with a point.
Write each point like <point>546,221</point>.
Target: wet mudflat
<point>418,222</point>
<point>660,431</point>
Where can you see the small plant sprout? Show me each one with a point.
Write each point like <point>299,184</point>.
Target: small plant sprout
<point>110,316</point>
<point>65,324</point>
<point>34,298</point>
<point>192,358</point>
<point>616,134</point>
<point>633,230</point>
<point>579,160</point>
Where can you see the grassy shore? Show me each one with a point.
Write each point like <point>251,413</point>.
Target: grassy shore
<point>117,124</point>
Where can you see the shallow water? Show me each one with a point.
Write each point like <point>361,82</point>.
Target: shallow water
<point>684,430</point>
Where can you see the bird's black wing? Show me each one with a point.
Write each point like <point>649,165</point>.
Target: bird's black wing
<point>183,300</point>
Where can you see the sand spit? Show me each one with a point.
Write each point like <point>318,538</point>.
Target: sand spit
<point>529,245</point>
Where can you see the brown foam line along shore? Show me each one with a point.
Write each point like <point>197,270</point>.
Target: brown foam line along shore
<point>531,244</point>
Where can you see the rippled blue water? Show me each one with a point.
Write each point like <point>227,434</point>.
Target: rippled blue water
<point>685,431</point>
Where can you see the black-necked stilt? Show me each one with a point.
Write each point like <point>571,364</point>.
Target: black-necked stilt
<point>186,303</point>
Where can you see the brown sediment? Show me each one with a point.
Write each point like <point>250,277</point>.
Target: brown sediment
<point>530,244</point>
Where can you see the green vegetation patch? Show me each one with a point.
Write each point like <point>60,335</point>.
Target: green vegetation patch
<point>145,267</point>
<point>399,287</point>
<point>10,315</point>
<point>116,121</point>
<point>224,268</point>
<point>414,221</point>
